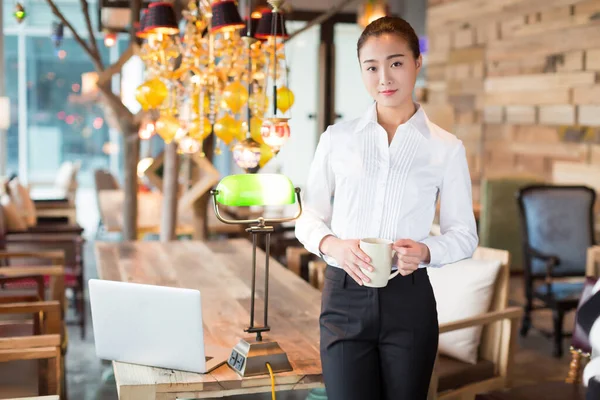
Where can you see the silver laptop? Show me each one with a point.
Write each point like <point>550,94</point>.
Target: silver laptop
<point>151,325</point>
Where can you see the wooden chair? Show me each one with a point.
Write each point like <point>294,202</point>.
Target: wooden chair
<point>66,239</point>
<point>557,224</point>
<point>454,379</point>
<point>41,337</point>
<point>103,180</point>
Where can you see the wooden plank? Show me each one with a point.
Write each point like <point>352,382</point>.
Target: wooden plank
<point>493,114</point>
<point>508,26</point>
<point>520,114</point>
<point>539,82</point>
<point>437,57</point>
<point>436,72</point>
<point>28,354</point>
<point>571,61</point>
<point>587,7</point>
<point>547,43</point>
<point>25,342</point>
<point>461,71</point>
<point>455,14</point>
<point>595,154</point>
<point>588,115</point>
<point>466,117</point>
<point>536,134</point>
<point>463,38</point>
<point>555,14</point>
<point>499,132</point>
<point>592,60</point>
<point>534,97</point>
<point>466,56</point>
<point>565,151</point>
<point>440,42</point>
<point>437,97</point>
<point>586,95</point>
<point>557,115</point>
<point>471,86</point>
<point>545,27</point>
<point>486,33</point>
<point>478,70</point>
<point>465,10</point>
<point>469,133</point>
<point>570,173</point>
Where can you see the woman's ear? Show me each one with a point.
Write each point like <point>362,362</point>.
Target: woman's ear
<point>419,62</point>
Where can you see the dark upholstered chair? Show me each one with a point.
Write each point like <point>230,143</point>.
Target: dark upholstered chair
<point>557,225</point>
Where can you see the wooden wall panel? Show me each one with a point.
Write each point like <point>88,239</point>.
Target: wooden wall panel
<point>522,78</point>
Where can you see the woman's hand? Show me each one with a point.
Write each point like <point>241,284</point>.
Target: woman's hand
<point>349,256</point>
<point>409,255</point>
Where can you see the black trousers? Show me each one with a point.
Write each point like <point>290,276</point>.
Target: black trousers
<point>378,343</point>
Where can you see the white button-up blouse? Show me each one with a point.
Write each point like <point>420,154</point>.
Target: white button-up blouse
<point>359,187</point>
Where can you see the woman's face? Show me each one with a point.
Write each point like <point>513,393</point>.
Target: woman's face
<point>389,69</point>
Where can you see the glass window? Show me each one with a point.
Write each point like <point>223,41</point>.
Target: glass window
<point>351,97</point>
<point>11,68</point>
<point>62,125</point>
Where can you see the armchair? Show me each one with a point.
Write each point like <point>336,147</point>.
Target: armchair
<point>557,225</point>
<point>454,379</point>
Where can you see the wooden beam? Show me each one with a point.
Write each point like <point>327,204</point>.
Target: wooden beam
<point>557,115</point>
<point>592,60</point>
<point>468,55</point>
<point>539,81</point>
<point>586,95</point>
<point>520,114</point>
<point>546,43</point>
<point>534,97</point>
<point>588,115</point>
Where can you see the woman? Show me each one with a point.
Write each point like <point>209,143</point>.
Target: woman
<point>379,176</point>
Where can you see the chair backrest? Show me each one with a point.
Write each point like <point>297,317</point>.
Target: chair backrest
<point>499,221</point>
<point>104,180</point>
<point>489,348</point>
<point>558,221</point>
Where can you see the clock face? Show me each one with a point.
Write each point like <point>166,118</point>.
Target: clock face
<point>236,361</point>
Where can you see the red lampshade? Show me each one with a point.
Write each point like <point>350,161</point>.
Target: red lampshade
<point>267,28</point>
<point>226,17</point>
<point>253,26</point>
<point>161,19</point>
<point>141,26</point>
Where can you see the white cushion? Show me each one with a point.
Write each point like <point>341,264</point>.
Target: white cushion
<point>23,201</point>
<point>462,290</point>
<point>13,218</point>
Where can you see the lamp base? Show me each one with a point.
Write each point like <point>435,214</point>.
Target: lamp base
<point>249,357</point>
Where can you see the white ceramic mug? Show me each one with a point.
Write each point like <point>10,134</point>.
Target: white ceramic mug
<point>381,253</point>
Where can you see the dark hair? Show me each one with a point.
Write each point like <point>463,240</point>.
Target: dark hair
<point>393,25</point>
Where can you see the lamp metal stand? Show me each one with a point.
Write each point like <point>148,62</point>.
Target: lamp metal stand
<point>250,356</point>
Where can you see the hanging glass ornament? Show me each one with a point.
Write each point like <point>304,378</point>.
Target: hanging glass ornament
<point>19,13</point>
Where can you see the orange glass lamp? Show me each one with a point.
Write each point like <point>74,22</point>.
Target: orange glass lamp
<point>251,355</point>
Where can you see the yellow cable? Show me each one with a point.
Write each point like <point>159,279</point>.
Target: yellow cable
<point>272,382</point>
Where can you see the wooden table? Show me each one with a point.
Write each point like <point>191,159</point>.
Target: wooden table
<point>221,270</point>
<point>149,214</point>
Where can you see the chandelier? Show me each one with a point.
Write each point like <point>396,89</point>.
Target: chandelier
<point>218,76</point>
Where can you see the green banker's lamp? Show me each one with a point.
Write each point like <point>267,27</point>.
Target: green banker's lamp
<point>250,356</point>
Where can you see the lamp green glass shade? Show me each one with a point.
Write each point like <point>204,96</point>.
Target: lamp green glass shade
<point>255,190</point>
